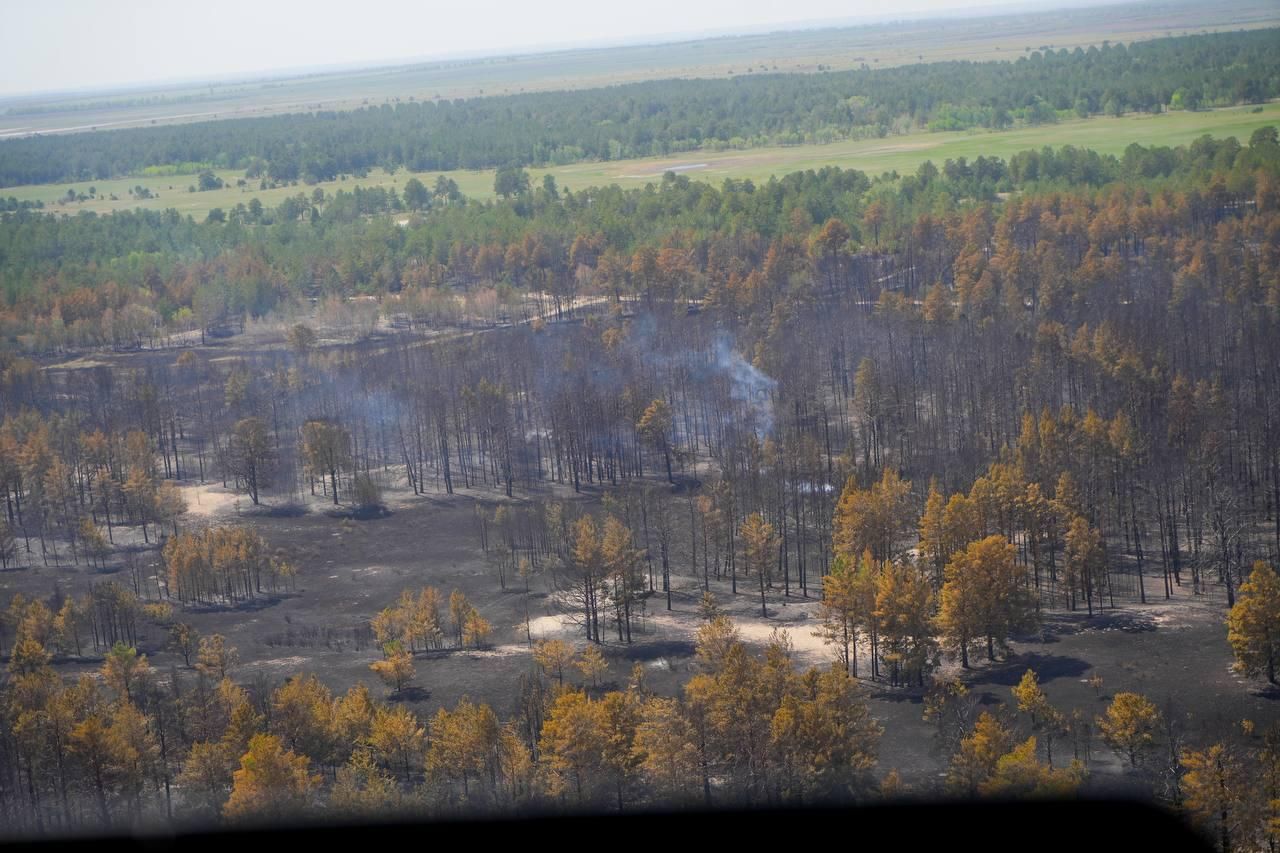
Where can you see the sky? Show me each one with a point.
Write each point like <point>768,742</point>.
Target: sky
<point>57,45</point>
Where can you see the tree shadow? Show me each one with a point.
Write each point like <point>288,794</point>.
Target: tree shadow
<point>1047,667</point>
<point>437,654</point>
<point>411,694</point>
<point>288,510</point>
<point>912,695</point>
<point>597,691</point>
<point>652,650</point>
<point>446,501</point>
<point>685,483</point>
<point>251,605</point>
<point>1130,623</point>
<point>1270,692</point>
<point>359,513</point>
<point>1064,624</point>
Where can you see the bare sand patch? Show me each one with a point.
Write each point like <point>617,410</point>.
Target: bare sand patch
<point>506,650</point>
<point>554,627</point>
<point>79,363</point>
<point>293,662</point>
<point>809,649</point>
<point>208,501</point>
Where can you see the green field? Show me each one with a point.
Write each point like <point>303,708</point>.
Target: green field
<point>1005,36</point>
<point>897,153</point>
<point>904,153</point>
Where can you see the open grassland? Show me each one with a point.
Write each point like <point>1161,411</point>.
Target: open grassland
<point>874,156</point>
<point>905,153</point>
<point>836,48</point>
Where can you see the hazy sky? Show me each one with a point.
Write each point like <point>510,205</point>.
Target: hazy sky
<point>67,44</point>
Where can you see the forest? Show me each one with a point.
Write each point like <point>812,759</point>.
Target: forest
<point>829,488</point>
<point>664,117</point>
<point>116,280</point>
<point>1012,416</point>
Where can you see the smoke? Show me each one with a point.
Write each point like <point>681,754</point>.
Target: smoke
<point>708,366</point>
<point>747,385</point>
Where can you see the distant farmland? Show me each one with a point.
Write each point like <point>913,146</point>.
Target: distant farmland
<point>875,156</point>
<point>836,48</point>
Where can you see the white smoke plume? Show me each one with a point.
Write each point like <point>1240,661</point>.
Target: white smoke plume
<point>748,385</point>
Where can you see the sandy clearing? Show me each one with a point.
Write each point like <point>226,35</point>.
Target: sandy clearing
<point>505,650</point>
<point>279,663</point>
<point>809,649</point>
<point>556,626</point>
<point>208,501</point>
<point>79,363</point>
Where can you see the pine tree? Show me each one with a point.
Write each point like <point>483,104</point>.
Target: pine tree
<point>326,451</point>
<point>584,572</point>
<point>591,664</point>
<point>840,614</point>
<point>91,743</point>
<point>933,538</point>
<point>975,762</point>
<point>825,734</point>
<point>215,657</point>
<point>135,754</point>
<point>984,598</point>
<point>1033,702</point>
<point>554,656</point>
<point>272,783</point>
<point>396,668</point>
<point>363,791</point>
<point>1253,625</point>
<point>397,740</point>
<point>476,630</point>
<point>206,779</point>
<point>716,641</point>
<point>620,560</point>
<point>1215,785</point>
<point>1086,562</point>
<point>619,715</point>
<point>1129,725</point>
<point>874,518</point>
<point>654,429</point>
<point>184,640</point>
<point>759,544</point>
<point>666,743</point>
<point>903,617</point>
<point>1018,773</point>
<point>122,668</point>
<point>302,715</point>
<point>572,746</point>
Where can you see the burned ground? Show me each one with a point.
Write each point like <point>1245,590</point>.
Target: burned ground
<point>1175,651</point>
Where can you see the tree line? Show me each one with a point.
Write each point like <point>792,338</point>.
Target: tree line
<point>191,746</point>
<point>665,117</point>
<point>135,279</point>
